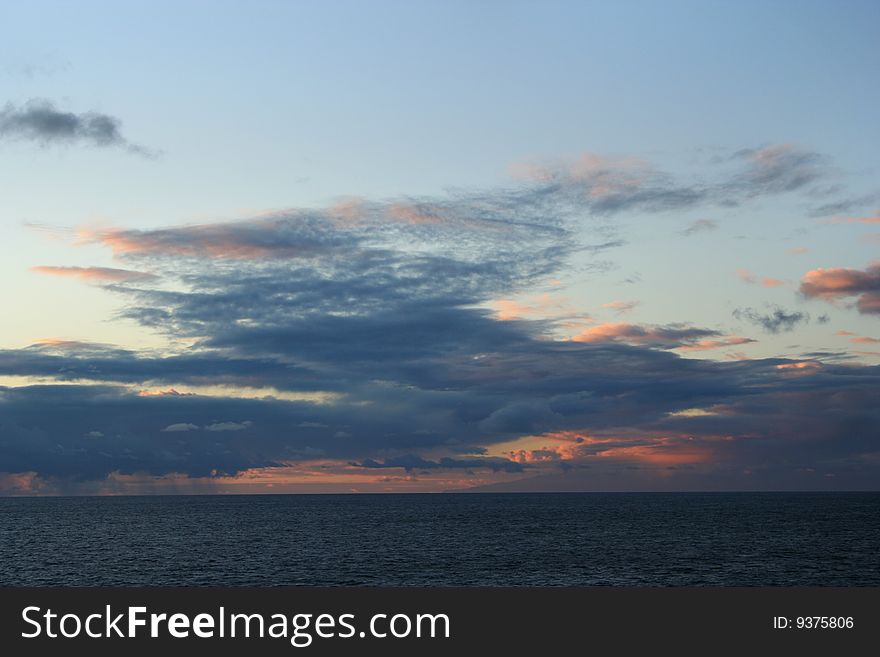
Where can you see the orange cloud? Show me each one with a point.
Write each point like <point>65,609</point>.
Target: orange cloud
<point>857,339</point>
<point>748,277</point>
<point>576,445</point>
<point>17,483</point>
<point>874,219</point>
<point>542,305</point>
<point>660,454</point>
<point>839,282</point>
<point>414,215</point>
<point>507,309</point>
<point>611,332</point>
<point>800,367</point>
<point>97,274</point>
<point>664,337</point>
<point>704,345</point>
<point>798,250</point>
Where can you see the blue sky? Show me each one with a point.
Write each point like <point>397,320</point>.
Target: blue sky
<point>685,166</point>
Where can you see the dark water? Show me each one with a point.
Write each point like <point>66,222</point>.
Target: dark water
<point>513,539</point>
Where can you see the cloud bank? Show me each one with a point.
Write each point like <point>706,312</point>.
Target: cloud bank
<point>360,340</point>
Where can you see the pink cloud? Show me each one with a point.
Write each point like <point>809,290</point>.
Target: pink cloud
<point>600,175</point>
<point>748,277</point>
<point>704,345</point>
<point>542,305</point>
<point>771,282</point>
<point>21,483</point>
<point>414,215</point>
<point>96,274</point>
<point>246,240</point>
<point>839,282</point>
<point>621,307</point>
<point>874,219</point>
<point>800,367</point>
<point>857,339</point>
<point>660,450</point>
<point>663,337</point>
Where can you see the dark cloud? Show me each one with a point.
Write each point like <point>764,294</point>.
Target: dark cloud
<point>776,321</point>
<point>363,334</point>
<point>42,122</point>
<point>769,413</point>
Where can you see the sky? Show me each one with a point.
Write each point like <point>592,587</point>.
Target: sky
<point>281,247</point>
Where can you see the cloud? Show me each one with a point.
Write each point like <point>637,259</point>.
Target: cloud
<point>229,426</point>
<point>706,345</point>
<point>857,339</point>
<point>748,277</point>
<point>42,122</point>
<point>845,205</point>
<point>171,392</point>
<point>411,462</point>
<point>700,226</point>
<point>779,168</point>
<point>180,426</point>
<point>873,219</point>
<point>611,185</point>
<point>97,274</point>
<point>356,337</point>
<point>621,307</point>
<point>776,321</point>
<point>456,404</point>
<point>277,237</point>
<point>663,337</point>
<point>840,283</point>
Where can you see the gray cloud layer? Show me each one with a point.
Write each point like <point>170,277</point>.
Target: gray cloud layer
<point>377,304</point>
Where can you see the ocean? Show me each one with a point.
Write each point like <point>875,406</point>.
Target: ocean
<point>579,539</point>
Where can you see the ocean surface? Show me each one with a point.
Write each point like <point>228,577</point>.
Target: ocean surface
<point>619,539</point>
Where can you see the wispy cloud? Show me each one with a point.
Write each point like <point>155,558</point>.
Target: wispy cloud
<point>857,339</point>
<point>96,274</point>
<point>701,226</point>
<point>779,168</point>
<point>621,307</point>
<point>872,219</point>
